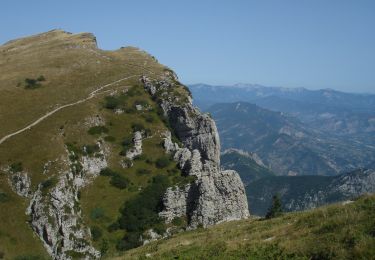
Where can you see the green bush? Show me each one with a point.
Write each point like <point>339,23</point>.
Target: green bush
<point>4,197</point>
<point>48,184</point>
<point>112,102</point>
<point>119,181</point>
<point>107,172</point>
<point>32,83</point>
<point>127,142</point>
<point>140,213</point>
<point>96,233</point>
<point>97,130</point>
<point>130,110</point>
<point>16,167</point>
<point>138,127</point>
<point>162,162</point>
<point>130,240</point>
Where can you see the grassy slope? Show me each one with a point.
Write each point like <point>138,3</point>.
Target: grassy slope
<point>73,67</point>
<point>332,232</point>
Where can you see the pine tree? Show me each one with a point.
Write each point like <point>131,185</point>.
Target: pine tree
<point>276,209</point>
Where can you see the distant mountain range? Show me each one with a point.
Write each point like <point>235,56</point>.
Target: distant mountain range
<point>286,145</point>
<point>307,192</point>
<point>346,114</point>
<point>296,192</point>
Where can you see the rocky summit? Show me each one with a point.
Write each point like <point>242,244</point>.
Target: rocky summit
<point>102,151</point>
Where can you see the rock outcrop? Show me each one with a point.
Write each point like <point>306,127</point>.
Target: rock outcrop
<point>20,183</point>
<point>215,195</point>
<point>55,212</point>
<point>137,149</point>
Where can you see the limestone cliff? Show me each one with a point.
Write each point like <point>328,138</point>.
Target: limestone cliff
<point>215,195</point>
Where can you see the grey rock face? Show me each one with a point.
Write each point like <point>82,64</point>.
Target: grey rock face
<point>137,149</point>
<point>215,195</point>
<point>20,183</point>
<point>56,216</point>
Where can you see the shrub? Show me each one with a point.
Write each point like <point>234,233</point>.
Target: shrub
<point>140,213</point>
<point>275,210</point>
<point>130,240</point>
<point>107,172</point>
<point>4,197</point>
<point>31,83</point>
<point>16,167</point>
<point>162,162</point>
<point>96,233</point>
<point>140,157</point>
<point>111,102</point>
<point>127,142</point>
<point>119,181</point>
<point>138,127</point>
<point>97,130</point>
<point>130,110</point>
<point>47,184</point>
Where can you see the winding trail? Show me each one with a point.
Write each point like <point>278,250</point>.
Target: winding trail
<point>90,96</point>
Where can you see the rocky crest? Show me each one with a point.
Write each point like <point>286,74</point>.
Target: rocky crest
<point>215,195</point>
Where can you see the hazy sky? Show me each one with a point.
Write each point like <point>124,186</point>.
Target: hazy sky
<point>313,44</point>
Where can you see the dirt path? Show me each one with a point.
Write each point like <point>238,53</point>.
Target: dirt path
<point>90,96</point>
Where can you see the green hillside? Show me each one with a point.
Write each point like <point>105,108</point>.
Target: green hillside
<point>331,232</point>
<point>103,104</point>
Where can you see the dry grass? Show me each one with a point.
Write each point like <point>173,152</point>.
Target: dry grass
<point>73,67</point>
<point>332,232</point>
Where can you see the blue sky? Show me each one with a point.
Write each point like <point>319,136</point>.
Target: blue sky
<point>291,43</point>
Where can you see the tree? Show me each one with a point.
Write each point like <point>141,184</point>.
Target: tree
<point>276,209</point>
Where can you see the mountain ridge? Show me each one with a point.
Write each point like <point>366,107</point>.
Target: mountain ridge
<point>100,146</point>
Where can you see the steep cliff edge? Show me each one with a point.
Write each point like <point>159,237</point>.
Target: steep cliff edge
<point>215,195</point>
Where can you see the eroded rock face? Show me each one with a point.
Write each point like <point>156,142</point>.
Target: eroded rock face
<point>56,215</point>
<point>137,149</point>
<point>20,183</point>
<point>215,195</point>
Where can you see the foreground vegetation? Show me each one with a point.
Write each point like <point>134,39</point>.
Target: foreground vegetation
<point>332,232</point>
